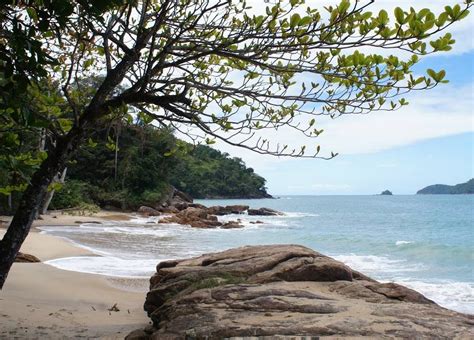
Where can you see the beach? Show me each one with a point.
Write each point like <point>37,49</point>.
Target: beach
<point>41,301</point>
<point>423,243</point>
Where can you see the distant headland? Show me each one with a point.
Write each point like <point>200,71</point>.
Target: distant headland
<point>443,189</point>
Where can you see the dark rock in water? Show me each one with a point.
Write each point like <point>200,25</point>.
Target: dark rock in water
<point>195,217</point>
<point>227,210</point>
<point>386,193</point>
<point>148,211</point>
<point>26,258</point>
<point>232,225</point>
<point>263,212</point>
<point>287,290</point>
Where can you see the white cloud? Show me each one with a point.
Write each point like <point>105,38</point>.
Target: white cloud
<point>446,110</point>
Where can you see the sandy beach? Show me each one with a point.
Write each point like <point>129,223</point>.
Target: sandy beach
<point>39,301</point>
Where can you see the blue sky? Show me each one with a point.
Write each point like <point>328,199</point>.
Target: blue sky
<point>430,141</point>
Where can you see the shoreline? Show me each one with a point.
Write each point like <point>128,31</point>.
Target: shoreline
<point>42,301</point>
<point>50,302</point>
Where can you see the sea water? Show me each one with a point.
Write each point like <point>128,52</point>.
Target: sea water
<point>425,242</point>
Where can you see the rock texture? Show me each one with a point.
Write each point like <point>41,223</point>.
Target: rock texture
<point>264,212</point>
<point>287,290</point>
<point>199,216</point>
<point>148,211</point>
<point>26,258</point>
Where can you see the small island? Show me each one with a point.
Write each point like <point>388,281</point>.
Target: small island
<point>443,189</point>
<point>386,193</point>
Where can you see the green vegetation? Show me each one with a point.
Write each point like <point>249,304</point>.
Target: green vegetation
<point>442,189</point>
<point>213,69</point>
<point>148,161</point>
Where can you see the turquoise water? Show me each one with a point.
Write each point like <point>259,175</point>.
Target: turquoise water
<point>424,242</point>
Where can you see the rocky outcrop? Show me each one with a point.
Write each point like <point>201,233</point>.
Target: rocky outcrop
<point>148,211</point>
<point>227,210</point>
<point>263,212</point>
<point>287,290</point>
<point>199,218</point>
<point>183,210</point>
<point>26,258</point>
<point>174,201</point>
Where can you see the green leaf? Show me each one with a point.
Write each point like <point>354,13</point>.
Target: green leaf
<point>399,15</point>
<point>305,21</point>
<point>383,17</point>
<point>32,13</point>
<point>295,19</point>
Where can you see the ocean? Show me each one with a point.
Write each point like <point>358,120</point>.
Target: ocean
<point>425,242</point>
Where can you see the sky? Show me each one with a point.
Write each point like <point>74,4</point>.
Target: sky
<point>428,142</point>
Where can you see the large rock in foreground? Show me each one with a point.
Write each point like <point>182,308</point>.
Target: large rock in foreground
<point>287,290</point>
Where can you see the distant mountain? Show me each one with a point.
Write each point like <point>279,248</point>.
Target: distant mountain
<point>386,193</point>
<point>442,189</point>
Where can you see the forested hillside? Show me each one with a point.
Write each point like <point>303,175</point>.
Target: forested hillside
<point>128,167</point>
<point>148,161</point>
<point>443,189</point>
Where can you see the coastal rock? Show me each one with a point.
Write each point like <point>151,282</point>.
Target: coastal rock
<point>263,212</point>
<point>232,225</point>
<point>287,290</point>
<point>26,258</point>
<point>148,211</point>
<point>227,210</point>
<point>195,217</point>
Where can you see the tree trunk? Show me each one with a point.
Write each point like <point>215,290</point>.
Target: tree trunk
<point>50,194</point>
<point>32,198</point>
<point>10,203</point>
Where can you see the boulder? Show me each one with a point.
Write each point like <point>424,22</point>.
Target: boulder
<point>26,258</point>
<point>192,214</point>
<point>195,217</point>
<point>205,224</point>
<point>287,290</point>
<point>148,211</point>
<point>232,225</point>
<point>227,210</point>
<point>264,212</point>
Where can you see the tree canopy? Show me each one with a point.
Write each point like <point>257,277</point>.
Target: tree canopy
<point>209,69</point>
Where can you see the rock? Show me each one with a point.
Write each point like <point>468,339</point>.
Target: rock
<point>192,214</point>
<point>256,222</point>
<point>26,258</point>
<point>169,210</point>
<point>148,211</point>
<point>264,212</point>
<point>197,205</point>
<point>204,224</point>
<point>195,217</point>
<point>138,334</point>
<point>386,193</point>
<point>227,210</point>
<point>232,225</point>
<point>174,198</point>
<point>237,209</point>
<point>287,290</point>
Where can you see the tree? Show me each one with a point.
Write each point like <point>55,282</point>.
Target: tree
<point>213,69</point>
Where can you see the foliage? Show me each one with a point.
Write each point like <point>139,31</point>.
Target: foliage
<point>149,160</point>
<point>72,194</point>
<point>207,173</point>
<point>213,70</point>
